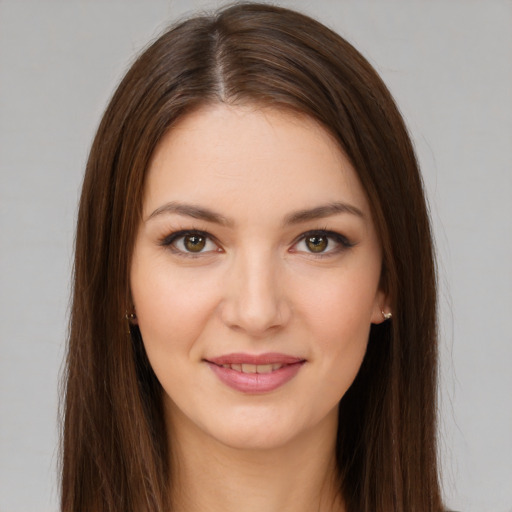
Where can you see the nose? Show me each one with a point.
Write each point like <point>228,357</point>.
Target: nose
<point>255,301</point>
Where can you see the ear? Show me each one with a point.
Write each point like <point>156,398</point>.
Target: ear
<point>131,314</point>
<point>381,308</point>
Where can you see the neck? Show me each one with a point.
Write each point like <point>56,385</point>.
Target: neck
<point>300,476</point>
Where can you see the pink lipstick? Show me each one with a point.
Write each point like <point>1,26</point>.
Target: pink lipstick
<point>255,373</point>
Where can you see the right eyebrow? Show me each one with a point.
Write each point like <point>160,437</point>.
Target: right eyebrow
<point>190,210</point>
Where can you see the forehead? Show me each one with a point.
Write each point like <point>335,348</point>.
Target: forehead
<point>229,156</point>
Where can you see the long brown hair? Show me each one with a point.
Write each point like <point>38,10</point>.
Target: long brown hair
<point>114,450</point>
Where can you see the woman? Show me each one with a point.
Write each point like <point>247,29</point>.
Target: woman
<point>254,309</point>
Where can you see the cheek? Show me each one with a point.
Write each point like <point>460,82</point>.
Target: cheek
<point>340,302</point>
<point>338,315</point>
<point>172,306</point>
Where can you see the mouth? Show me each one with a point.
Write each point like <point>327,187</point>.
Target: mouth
<point>255,373</point>
<point>253,368</point>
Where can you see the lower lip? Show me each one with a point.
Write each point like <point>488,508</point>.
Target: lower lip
<point>256,382</point>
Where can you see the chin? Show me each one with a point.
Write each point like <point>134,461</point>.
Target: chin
<point>262,429</point>
<point>256,438</point>
<point>241,428</point>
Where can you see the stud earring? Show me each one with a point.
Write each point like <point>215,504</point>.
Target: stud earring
<point>386,316</point>
<point>130,320</point>
<point>130,317</point>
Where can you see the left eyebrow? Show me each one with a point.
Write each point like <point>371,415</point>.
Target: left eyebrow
<point>320,212</point>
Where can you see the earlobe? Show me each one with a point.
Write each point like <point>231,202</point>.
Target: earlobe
<point>381,310</point>
<point>382,315</point>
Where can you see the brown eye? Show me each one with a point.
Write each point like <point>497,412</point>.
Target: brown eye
<point>194,243</point>
<point>317,243</point>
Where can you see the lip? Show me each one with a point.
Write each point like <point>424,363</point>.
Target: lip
<point>255,382</point>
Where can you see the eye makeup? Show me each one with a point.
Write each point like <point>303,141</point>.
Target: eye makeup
<point>190,242</point>
<point>321,243</point>
<point>315,243</point>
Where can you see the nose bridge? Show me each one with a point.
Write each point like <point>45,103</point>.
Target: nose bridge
<point>254,299</point>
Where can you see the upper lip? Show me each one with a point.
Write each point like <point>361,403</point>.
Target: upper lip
<point>260,359</point>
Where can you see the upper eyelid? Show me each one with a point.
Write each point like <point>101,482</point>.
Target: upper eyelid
<point>325,232</point>
<point>175,235</point>
<point>169,241</point>
<point>342,242</point>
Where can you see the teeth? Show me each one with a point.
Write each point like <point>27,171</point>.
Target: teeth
<point>254,368</point>
<point>264,368</point>
<point>249,368</point>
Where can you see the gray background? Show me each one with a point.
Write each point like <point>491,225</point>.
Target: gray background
<point>449,65</point>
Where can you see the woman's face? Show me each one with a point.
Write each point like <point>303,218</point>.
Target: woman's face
<point>255,275</point>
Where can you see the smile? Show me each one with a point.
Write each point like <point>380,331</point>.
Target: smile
<point>255,374</point>
<point>253,368</point>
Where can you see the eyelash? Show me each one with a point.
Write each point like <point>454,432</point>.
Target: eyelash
<point>170,240</point>
<point>342,241</point>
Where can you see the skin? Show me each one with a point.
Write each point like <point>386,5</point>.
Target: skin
<point>255,287</point>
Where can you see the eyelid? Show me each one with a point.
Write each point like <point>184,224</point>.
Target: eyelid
<point>340,239</point>
<point>170,239</point>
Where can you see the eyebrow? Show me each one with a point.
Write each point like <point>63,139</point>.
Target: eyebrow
<point>190,210</point>
<point>198,212</point>
<point>320,212</point>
